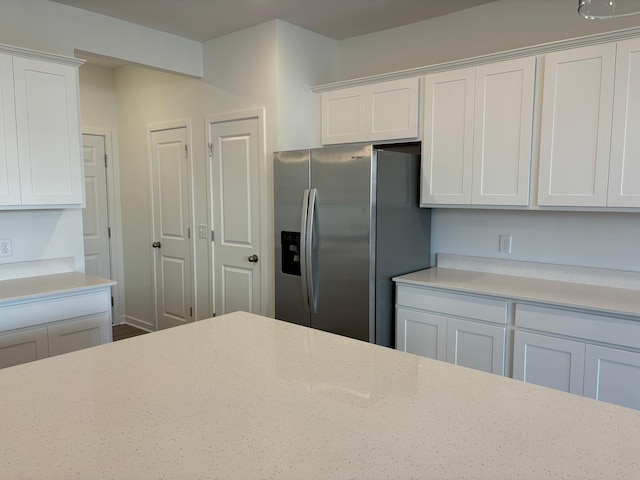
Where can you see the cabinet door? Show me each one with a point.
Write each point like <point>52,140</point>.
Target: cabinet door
<point>447,144</point>
<point>47,119</point>
<point>575,138</point>
<point>624,170</point>
<point>476,345</point>
<point>421,333</point>
<point>78,334</point>
<point>9,172</point>
<point>612,375</point>
<point>549,361</point>
<point>392,110</point>
<point>22,347</point>
<point>503,132</point>
<point>343,116</point>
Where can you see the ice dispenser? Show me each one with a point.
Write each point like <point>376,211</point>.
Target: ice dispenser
<point>290,252</point>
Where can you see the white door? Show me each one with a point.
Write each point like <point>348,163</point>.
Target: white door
<point>612,375</point>
<point>95,215</point>
<point>447,146</point>
<point>171,187</point>
<point>343,116</point>
<point>548,361</point>
<point>503,132</point>
<point>235,198</point>
<point>421,333</point>
<point>476,345</point>
<point>392,110</point>
<point>575,137</point>
<point>624,170</point>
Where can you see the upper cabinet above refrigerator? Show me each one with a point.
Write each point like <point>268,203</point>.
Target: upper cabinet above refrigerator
<point>376,112</point>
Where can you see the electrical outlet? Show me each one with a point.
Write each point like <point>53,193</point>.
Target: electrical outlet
<point>6,249</point>
<point>505,244</point>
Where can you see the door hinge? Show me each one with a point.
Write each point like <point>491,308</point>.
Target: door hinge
<point>210,149</point>
<point>112,301</point>
<point>186,151</point>
<point>191,311</point>
<point>213,236</point>
<point>188,232</point>
<point>109,231</point>
<point>105,160</point>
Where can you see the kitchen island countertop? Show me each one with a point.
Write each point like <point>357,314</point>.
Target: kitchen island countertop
<point>243,396</point>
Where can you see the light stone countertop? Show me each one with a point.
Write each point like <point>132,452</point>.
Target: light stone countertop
<point>611,300</point>
<point>241,396</point>
<point>30,288</point>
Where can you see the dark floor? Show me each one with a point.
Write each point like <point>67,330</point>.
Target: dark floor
<point>120,332</point>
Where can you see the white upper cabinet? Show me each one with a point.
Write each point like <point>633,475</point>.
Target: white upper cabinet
<point>577,106</point>
<point>478,133</point>
<point>40,148</point>
<point>9,170</point>
<point>624,169</point>
<point>447,143</point>
<point>377,112</point>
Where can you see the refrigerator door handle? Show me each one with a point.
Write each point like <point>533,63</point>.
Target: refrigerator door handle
<point>313,193</point>
<point>303,250</point>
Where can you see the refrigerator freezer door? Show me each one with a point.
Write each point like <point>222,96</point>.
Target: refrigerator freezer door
<point>342,241</point>
<point>290,179</point>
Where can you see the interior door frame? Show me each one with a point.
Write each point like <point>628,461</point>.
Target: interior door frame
<point>266,208</point>
<point>114,207</point>
<point>154,127</point>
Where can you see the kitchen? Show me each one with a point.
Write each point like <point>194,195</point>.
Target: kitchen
<point>575,238</point>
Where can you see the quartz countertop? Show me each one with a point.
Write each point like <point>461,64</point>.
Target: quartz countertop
<point>612,300</point>
<point>242,396</point>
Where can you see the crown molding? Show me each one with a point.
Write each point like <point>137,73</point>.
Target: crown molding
<point>483,59</point>
<point>34,54</point>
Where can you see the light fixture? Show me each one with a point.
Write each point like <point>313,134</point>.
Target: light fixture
<point>598,9</point>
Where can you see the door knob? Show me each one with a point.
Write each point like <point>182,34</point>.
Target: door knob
<point>253,258</point>
<point>156,244</point>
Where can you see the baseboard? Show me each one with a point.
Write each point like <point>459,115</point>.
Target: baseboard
<point>136,322</point>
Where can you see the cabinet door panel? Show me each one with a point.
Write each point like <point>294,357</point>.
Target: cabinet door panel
<point>9,170</point>
<point>576,126</point>
<point>624,170</point>
<point>476,345</point>
<point>343,116</point>
<point>392,110</point>
<point>447,145</point>
<point>22,347</point>
<point>421,333</point>
<point>503,132</point>
<point>48,128</point>
<point>548,361</point>
<point>612,376</point>
<point>78,334</point>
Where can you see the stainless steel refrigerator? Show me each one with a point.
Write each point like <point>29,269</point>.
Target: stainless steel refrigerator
<point>346,221</point>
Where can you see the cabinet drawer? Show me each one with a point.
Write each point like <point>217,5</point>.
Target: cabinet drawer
<point>478,308</point>
<point>29,314</point>
<point>577,324</point>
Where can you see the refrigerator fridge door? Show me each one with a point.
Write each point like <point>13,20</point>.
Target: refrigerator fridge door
<point>341,274</point>
<point>291,186</point>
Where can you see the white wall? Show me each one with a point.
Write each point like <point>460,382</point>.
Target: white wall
<point>43,235</point>
<point>599,240</point>
<point>56,28</point>
<point>493,27</point>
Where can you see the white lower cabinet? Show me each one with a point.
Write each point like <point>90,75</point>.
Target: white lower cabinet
<point>612,375</point>
<point>548,361</point>
<point>22,347</point>
<point>78,334</point>
<point>442,335</point>
<point>476,345</point>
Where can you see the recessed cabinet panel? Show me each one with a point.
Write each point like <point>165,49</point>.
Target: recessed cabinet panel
<point>624,170</point>
<point>78,334</point>
<point>48,132</point>
<point>421,333</point>
<point>476,345</point>
<point>503,132</point>
<point>612,375</point>
<point>343,116</point>
<point>447,144</point>
<point>576,126</point>
<point>23,347</point>
<point>392,110</point>
<point>9,169</point>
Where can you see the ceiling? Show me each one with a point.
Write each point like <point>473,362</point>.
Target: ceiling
<point>203,20</point>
